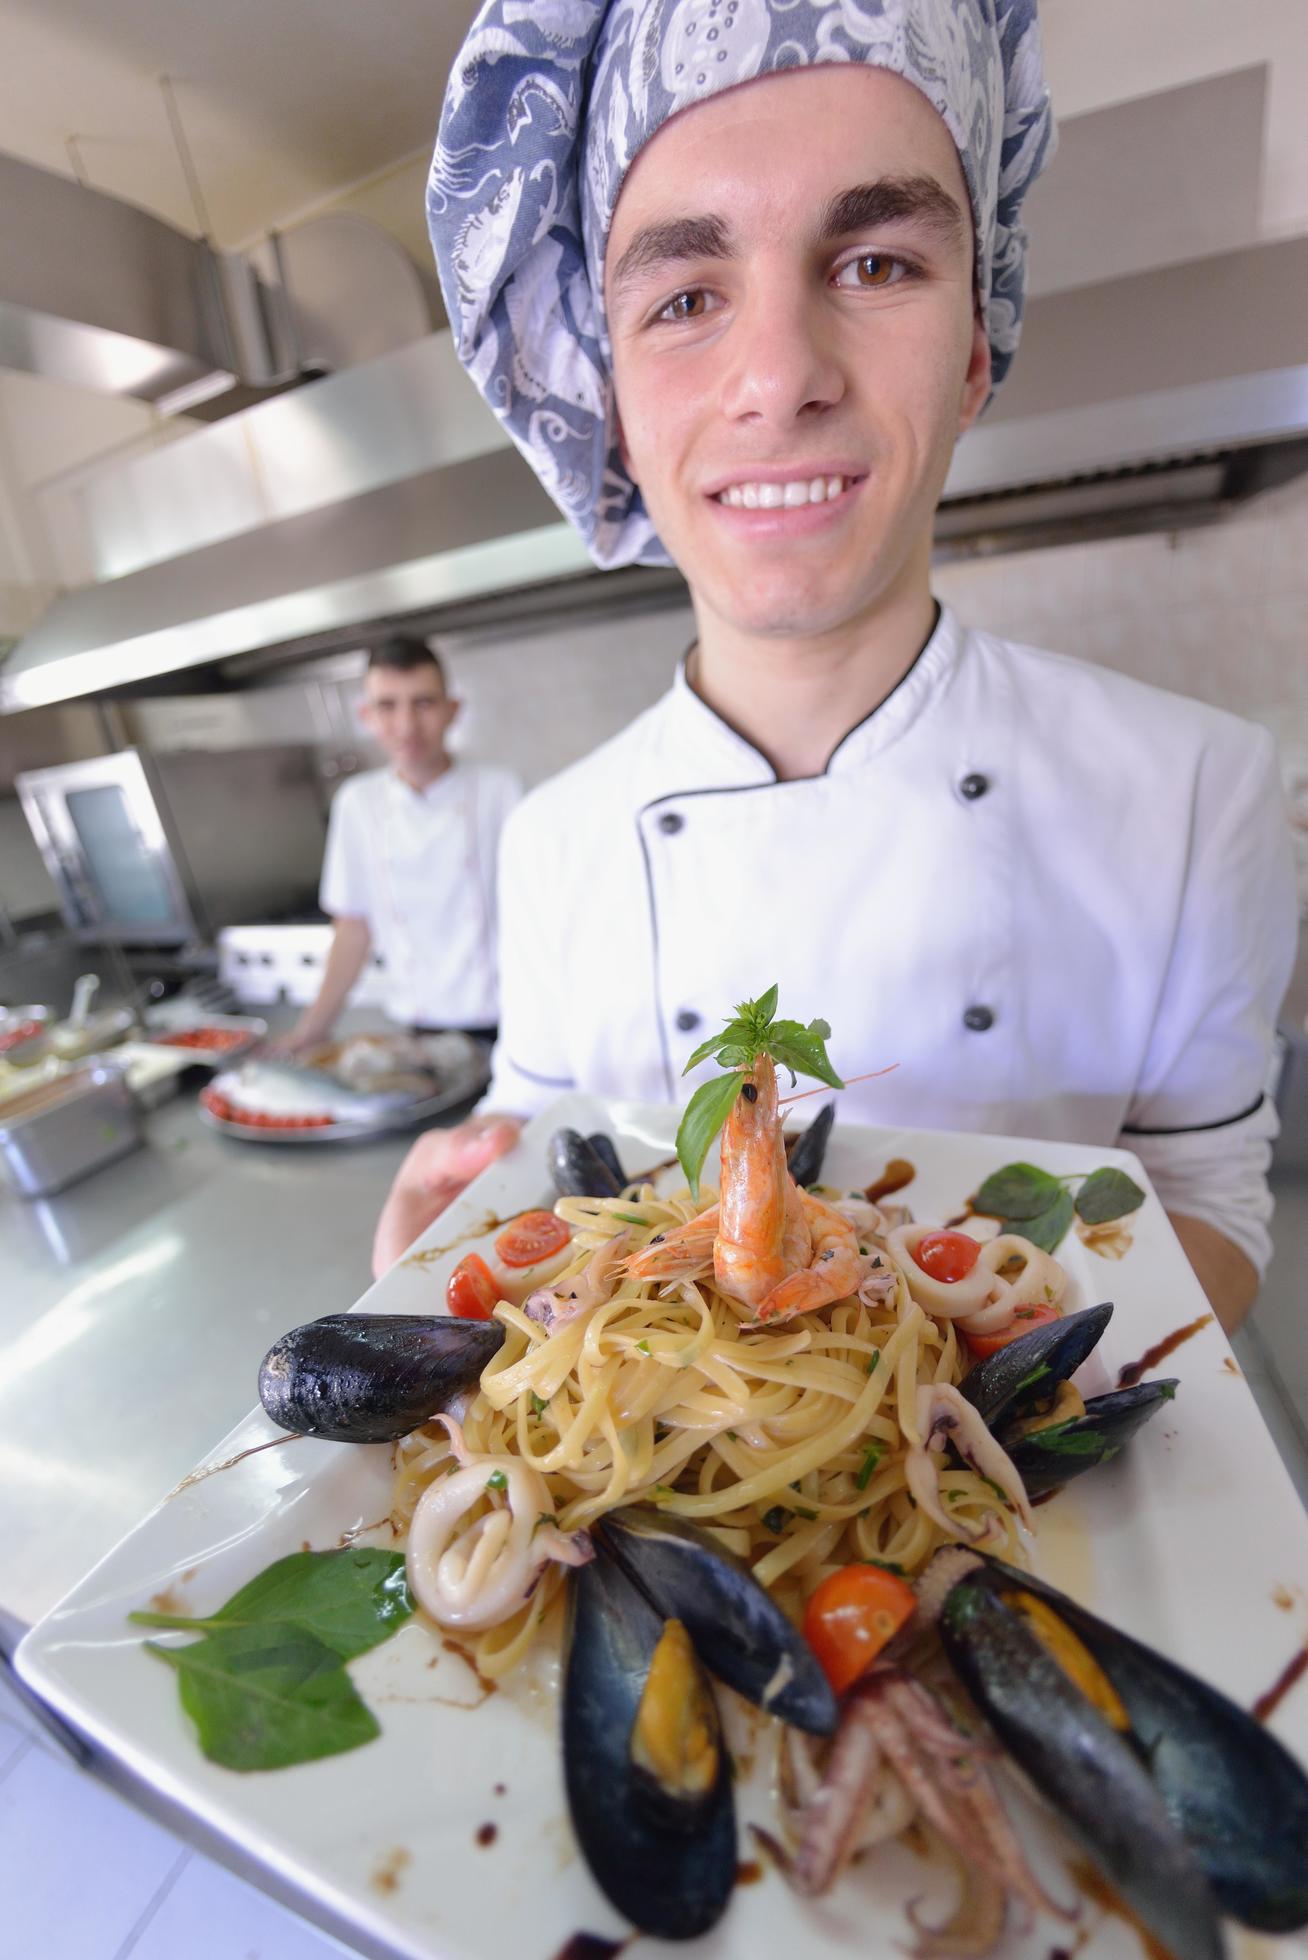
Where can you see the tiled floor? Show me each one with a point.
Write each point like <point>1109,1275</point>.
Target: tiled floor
<point>84,1876</point>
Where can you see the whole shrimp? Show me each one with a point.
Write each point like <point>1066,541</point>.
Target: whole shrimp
<point>768,1244</point>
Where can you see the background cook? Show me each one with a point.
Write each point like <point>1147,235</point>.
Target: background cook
<point>737,313</point>
<point>410,866</point>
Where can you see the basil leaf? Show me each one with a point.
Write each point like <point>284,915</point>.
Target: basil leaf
<point>802,1051</point>
<point>702,1053</point>
<point>869,1464</point>
<point>1016,1191</point>
<point>765,1006</point>
<point>704,1116</point>
<point>1108,1194</point>
<point>265,1696</point>
<point>1048,1228</point>
<point>736,1055</point>
<point>350,1600</point>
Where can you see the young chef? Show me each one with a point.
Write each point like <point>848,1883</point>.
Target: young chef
<point>736,310</point>
<point>411,856</point>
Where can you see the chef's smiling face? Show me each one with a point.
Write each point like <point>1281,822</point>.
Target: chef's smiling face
<point>795,342</point>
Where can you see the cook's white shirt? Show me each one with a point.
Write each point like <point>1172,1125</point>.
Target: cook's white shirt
<point>1061,900</point>
<point>419,866</point>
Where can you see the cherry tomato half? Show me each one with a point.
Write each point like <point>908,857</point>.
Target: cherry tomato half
<point>532,1236</point>
<point>1024,1319</point>
<point>851,1616</point>
<point>471,1292</point>
<point>947,1256</point>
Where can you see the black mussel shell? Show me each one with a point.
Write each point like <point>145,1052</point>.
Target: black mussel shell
<point>607,1152</point>
<point>372,1377</point>
<point>805,1155</point>
<point>1084,1767</point>
<point>738,1631</point>
<point>1048,1458</point>
<point>1235,1793</point>
<point>670,1876</point>
<point>577,1168</point>
<point>1015,1379</point>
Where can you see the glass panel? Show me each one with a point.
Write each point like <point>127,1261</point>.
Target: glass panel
<point>132,886</point>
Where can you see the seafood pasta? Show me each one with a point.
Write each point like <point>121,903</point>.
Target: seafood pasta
<point>805,1426</point>
<point>726,1414</point>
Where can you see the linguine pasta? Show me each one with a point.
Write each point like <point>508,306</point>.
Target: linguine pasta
<point>788,1442</point>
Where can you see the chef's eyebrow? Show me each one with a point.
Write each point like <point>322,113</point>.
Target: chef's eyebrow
<point>864,207</point>
<point>893,201</point>
<point>672,241</point>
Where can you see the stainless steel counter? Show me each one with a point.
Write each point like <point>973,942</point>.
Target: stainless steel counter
<point>134,1311</point>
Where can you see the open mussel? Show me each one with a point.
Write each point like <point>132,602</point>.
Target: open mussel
<point>579,1169</point>
<point>1023,1393</point>
<point>372,1377</point>
<point>804,1156</point>
<point>1186,1803</point>
<point>647,1774</point>
<point>738,1630</point>
<point>1045,1458</point>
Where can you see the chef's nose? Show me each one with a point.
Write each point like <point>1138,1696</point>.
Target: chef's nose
<point>781,364</point>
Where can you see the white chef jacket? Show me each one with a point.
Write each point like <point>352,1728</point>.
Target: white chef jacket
<point>1062,901</point>
<point>419,866</point>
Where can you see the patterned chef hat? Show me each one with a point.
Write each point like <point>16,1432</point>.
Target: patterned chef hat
<point>549,102</point>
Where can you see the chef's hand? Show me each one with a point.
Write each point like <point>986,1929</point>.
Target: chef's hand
<point>436,1169</point>
<point>303,1036</point>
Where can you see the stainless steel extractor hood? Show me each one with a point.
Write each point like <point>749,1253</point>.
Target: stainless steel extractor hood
<point>96,292</point>
<point>391,490</point>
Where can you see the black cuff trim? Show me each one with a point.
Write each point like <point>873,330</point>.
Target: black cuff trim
<point>1192,1129</point>
<point>545,1081</point>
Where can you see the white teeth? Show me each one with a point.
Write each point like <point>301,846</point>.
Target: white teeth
<point>777,496</point>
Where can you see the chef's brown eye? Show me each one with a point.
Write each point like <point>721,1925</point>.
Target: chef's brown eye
<point>686,306</point>
<point>875,270</point>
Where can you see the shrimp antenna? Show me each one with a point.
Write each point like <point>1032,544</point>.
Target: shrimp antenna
<point>826,1087</point>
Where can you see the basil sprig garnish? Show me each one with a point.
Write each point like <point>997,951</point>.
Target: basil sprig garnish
<point>1035,1205</point>
<point>267,1685</point>
<point>753,1031</point>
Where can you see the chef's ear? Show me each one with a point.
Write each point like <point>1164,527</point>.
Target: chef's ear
<point>976,382</point>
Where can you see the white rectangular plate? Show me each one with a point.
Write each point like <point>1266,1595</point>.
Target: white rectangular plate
<point>1192,1540</point>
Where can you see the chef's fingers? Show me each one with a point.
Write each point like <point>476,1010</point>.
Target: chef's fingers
<point>438,1166</point>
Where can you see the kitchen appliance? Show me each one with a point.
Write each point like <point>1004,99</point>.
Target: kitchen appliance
<point>163,850</point>
<point>63,1130</point>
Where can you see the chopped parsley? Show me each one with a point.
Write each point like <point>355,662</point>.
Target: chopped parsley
<point>869,1464</point>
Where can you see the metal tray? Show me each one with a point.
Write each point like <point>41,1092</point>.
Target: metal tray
<point>465,1081</point>
<point>250,1026</point>
<point>65,1129</point>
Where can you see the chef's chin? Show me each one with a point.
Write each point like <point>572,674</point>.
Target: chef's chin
<point>772,599</point>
